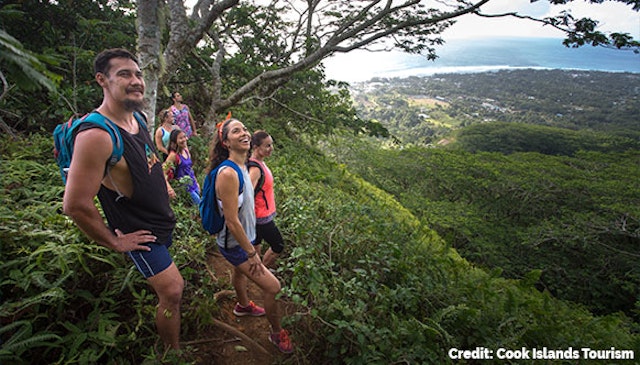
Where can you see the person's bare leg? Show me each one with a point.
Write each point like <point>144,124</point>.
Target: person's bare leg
<point>168,285</point>
<point>271,308</point>
<point>239,282</point>
<point>270,287</point>
<point>269,259</point>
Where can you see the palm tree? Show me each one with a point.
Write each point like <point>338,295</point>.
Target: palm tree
<point>28,70</point>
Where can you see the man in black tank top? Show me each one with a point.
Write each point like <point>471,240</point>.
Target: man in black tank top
<point>133,193</point>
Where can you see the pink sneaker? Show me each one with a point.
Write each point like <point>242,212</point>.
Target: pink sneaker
<point>282,341</point>
<point>251,310</point>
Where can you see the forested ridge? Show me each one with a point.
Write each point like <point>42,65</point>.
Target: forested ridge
<point>538,172</point>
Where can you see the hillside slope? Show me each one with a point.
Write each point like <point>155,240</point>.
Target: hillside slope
<point>370,283</point>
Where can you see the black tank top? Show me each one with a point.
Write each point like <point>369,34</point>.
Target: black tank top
<point>148,208</point>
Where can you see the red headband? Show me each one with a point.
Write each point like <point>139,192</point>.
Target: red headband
<point>219,129</point>
<point>220,126</point>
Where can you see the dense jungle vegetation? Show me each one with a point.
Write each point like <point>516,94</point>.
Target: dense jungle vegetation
<point>521,229</point>
<point>555,192</point>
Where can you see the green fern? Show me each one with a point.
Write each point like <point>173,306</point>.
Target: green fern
<point>23,339</point>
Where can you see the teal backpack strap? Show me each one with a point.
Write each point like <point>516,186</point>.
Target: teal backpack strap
<point>118,147</point>
<point>114,132</point>
<point>142,120</point>
<point>106,124</point>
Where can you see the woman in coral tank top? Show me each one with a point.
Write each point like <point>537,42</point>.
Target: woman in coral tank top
<point>265,204</point>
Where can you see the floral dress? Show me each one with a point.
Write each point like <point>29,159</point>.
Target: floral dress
<point>181,119</point>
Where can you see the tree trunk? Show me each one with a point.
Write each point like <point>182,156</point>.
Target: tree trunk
<point>149,35</point>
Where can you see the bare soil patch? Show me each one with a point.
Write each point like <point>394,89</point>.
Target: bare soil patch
<point>236,340</point>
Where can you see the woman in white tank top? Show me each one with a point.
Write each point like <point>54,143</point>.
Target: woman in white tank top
<point>233,142</point>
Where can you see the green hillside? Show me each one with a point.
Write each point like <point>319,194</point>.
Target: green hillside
<point>539,173</point>
<point>374,284</point>
<point>573,220</point>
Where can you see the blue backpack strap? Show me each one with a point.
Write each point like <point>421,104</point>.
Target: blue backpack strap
<point>240,187</point>
<point>114,132</point>
<point>106,124</point>
<point>142,120</point>
<point>238,170</point>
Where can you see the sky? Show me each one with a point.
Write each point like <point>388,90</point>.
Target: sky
<point>613,16</point>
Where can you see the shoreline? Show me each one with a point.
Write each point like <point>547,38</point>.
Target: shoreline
<point>391,78</point>
<point>483,55</point>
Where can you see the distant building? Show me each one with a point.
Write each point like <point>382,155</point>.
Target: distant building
<point>444,142</point>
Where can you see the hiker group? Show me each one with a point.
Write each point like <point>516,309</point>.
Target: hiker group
<point>110,154</point>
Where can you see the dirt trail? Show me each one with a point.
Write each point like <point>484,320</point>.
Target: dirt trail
<point>236,340</point>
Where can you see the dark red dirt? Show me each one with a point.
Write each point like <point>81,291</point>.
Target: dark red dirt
<point>224,347</point>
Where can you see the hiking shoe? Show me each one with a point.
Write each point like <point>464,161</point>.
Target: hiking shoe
<point>282,341</point>
<point>251,310</point>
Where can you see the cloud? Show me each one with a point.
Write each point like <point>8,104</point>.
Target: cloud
<point>612,16</point>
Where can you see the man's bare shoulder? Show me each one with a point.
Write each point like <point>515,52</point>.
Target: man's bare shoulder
<point>93,134</point>
<point>93,142</point>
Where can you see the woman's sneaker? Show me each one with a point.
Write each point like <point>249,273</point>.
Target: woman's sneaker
<point>251,310</point>
<point>282,341</point>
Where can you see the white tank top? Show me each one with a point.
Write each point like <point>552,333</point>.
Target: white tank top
<point>246,213</point>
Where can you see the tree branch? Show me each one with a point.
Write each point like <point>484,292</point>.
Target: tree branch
<point>182,38</point>
<point>5,91</point>
<point>319,31</point>
<point>225,327</point>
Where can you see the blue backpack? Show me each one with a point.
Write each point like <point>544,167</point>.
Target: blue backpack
<point>64,137</point>
<point>212,220</point>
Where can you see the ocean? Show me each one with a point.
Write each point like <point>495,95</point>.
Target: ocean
<point>481,55</point>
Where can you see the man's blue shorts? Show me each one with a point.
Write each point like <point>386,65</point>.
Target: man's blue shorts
<point>153,262</point>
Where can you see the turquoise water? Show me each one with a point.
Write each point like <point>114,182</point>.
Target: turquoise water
<point>479,55</point>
